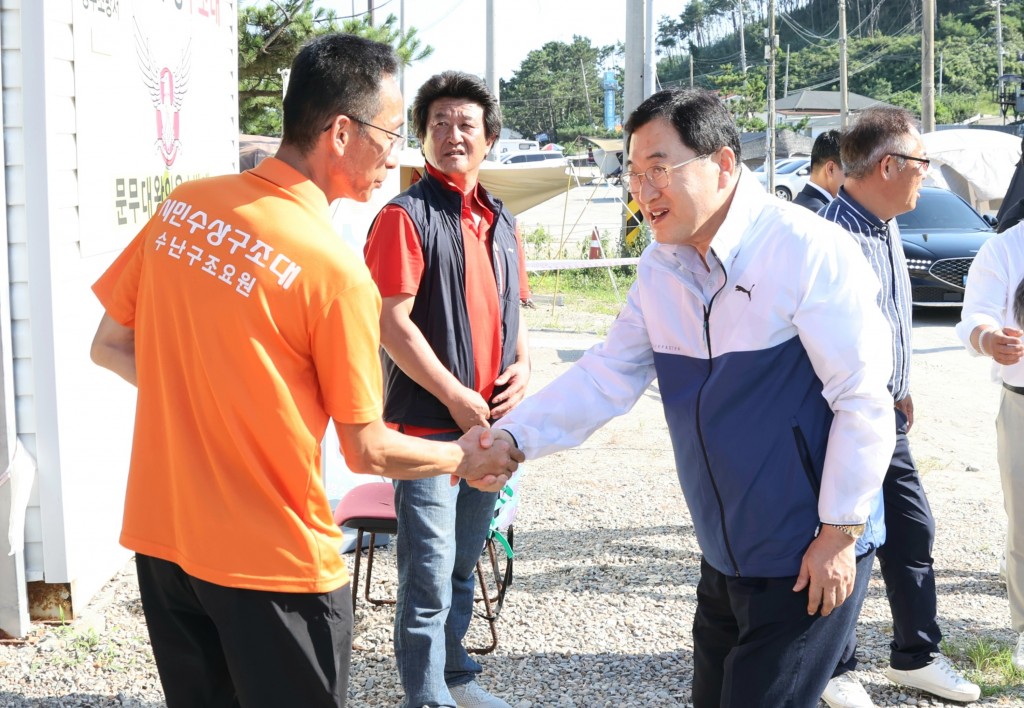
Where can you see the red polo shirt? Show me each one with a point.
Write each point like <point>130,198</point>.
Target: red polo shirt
<point>394,256</point>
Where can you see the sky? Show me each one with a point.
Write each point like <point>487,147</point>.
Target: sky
<point>456,29</point>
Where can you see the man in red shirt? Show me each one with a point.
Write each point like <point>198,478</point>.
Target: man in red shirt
<point>450,269</point>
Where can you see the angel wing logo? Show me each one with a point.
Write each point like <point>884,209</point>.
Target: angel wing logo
<point>167,90</point>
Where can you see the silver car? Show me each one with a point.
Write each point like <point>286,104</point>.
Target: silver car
<point>791,175</point>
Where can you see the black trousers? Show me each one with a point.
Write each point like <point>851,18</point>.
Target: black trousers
<point>905,560</point>
<point>219,646</point>
<point>755,646</point>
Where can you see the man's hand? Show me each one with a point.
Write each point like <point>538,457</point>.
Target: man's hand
<point>487,462</point>
<point>828,570</point>
<point>1004,345</point>
<point>516,376</point>
<point>468,408</point>
<point>906,406</point>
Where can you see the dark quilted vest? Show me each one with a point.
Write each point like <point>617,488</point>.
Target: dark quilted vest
<point>440,309</point>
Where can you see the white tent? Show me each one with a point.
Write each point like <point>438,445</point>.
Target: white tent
<point>977,164</point>
<point>519,186</point>
<point>607,154</point>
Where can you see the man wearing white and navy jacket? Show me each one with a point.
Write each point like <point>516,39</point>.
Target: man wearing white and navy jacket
<point>758,320</point>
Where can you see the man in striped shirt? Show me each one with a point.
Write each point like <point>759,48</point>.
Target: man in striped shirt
<point>884,161</point>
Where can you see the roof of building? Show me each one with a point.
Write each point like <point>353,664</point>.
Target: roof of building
<point>787,144</point>
<point>823,102</point>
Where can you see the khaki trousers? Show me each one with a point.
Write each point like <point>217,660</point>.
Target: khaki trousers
<point>1010,450</point>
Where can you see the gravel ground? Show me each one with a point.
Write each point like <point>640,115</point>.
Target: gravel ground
<point>600,609</point>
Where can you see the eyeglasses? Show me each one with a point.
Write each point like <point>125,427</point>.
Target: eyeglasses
<point>658,176</point>
<point>397,139</point>
<point>922,165</point>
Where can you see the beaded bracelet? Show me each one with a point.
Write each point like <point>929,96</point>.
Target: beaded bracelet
<point>981,342</point>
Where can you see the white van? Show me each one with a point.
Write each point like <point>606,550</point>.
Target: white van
<point>549,157</point>
<point>503,147</point>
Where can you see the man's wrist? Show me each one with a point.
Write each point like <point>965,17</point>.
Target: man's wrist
<point>982,349</point>
<point>854,531</point>
<point>509,433</point>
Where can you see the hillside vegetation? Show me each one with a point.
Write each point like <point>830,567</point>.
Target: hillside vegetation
<point>884,48</point>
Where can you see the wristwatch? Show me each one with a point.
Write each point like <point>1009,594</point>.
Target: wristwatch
<point>851,530</point>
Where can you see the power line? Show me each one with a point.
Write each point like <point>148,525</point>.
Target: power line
<point>811,37</point>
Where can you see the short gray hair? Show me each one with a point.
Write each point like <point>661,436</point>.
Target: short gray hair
<point>878,132</point>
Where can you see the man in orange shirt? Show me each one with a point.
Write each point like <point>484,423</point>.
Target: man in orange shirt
<point>247,325</point>
<point>447,259</point>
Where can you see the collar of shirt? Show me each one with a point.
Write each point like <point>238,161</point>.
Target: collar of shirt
<point>706,278</point>
<point>748,202</point>
<point>824,192</point>
<point>473,199</point>
<point>872,224</point>
<point>287,177</point>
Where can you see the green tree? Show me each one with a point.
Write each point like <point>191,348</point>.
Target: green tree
<point>557,91</point>
<point>269,37</point>
<point>744,94</point>
<point>955,108</point>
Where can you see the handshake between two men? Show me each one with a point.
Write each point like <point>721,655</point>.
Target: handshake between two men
<point>490,458</point>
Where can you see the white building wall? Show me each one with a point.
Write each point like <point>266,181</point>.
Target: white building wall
<point>17,233</point>
<point>73,417</point>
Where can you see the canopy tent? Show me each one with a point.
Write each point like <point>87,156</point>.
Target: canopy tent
<point>519,186</point>
<point>977,164</point>
<point>607,154</point>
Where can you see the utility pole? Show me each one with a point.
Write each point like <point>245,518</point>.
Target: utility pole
<point>633,89</point>
<point>999,36</point>
<point>941,61</point>
<point>632,96</point>
<point>785,84</point>
<point>691,69</point>
<point>650,59</point>
<point>743,42</point>
<point>401,70</point>
<point>928,66</point>
<point>769,55</point>
<point>586,90</point>
<point>490,71</point>
<point>844,83</point>
<point>369,12</point>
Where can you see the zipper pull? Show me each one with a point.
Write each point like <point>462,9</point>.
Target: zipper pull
<point>707,329</point>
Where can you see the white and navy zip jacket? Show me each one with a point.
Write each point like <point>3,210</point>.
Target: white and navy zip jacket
<point>774,392</point>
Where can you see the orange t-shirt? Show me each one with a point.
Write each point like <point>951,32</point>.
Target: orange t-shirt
<point>254,324</point>
<point>394,256</point>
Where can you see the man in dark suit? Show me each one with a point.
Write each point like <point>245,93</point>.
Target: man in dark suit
<point>826,173</point>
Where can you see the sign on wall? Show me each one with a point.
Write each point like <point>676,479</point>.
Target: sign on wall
<point>156,104</point>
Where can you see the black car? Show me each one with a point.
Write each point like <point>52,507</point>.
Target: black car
<point>941,236</point>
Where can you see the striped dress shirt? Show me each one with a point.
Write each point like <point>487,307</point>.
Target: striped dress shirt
<point>881,244</point>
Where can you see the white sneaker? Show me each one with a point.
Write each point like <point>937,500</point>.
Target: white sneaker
<point>1018,654</point>
<point>844,691</point>
<point>471,695</point>
<point>938,678</point>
